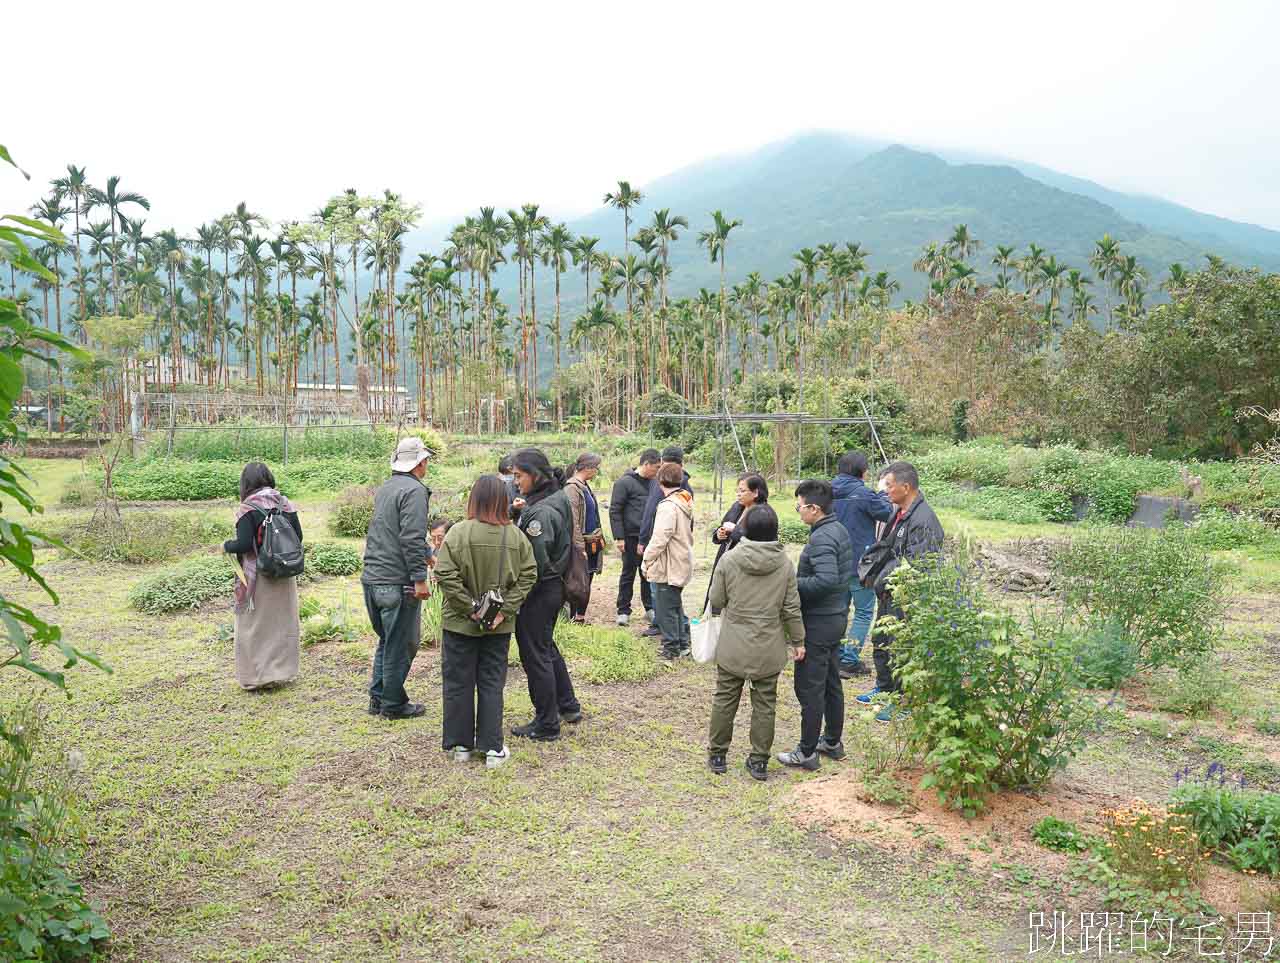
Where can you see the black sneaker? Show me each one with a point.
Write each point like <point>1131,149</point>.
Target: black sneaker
<point>531,731</point>
<point>716,763</point>
<point>799,760</point>
<point>757,768</point>
<point>375,708</point>
<point>853,671</point>
<point>669,654</point>
<point>833,749</point>
<point>411,710</point>
<point>571,717</point>
<point>651,631</point>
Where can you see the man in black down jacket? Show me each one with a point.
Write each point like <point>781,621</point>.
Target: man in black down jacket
<point>395,578</point>
<point>626,513</point>
<point>915,533</point>
<point>823,578</point>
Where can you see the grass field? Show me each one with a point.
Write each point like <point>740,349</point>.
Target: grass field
<point>290,825</point>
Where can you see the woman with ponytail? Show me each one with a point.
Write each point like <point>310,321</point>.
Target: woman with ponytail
<point>547,521</point>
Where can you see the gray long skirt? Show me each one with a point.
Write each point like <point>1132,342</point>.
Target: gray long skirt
<point>267,635</point>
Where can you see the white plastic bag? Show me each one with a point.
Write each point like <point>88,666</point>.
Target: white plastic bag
<point>704,634</point>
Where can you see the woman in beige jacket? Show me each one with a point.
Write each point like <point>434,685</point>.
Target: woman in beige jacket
<point>668,560</point>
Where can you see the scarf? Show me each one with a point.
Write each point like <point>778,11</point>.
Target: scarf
<point>263,500</point>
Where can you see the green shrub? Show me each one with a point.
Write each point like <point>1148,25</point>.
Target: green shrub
<point>44,914</point>
<point>995,502</point>
<point>332,558</point>
<point>142,537</point>
<point>1165,592</point>
<point>1060,835</point>
<point>1198,689</point>
<point>1217,530</point>
<point>185,585</point>
<point>1242,824</point>
<point>175,480</point>
<point>330,626</point>
<point>992,703</point>
<point>352,513</point>
<point>1106,657</point>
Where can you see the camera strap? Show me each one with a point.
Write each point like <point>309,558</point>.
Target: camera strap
<point>502,565</point>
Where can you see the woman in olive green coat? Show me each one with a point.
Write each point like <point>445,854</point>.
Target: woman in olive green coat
<point>754,587</point>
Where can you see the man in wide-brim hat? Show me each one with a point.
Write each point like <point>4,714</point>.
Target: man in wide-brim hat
<point>395,577</point>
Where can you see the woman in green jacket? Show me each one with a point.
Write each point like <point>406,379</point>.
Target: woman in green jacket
<point>484,554</point>
<point>754,587</point>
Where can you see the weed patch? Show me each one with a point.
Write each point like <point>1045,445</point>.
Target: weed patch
<point>184,586</point>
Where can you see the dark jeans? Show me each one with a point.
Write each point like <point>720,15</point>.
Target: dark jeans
<point>473,670</point>
<point>668,607</point>
<point>817,682</point>
<point>396,620</point>
<point>887,679</point>
<point>550,689</point>
<point>627,581</point>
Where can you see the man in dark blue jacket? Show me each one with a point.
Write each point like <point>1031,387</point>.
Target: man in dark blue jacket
<point>858,508</point>
<point>823,577</point>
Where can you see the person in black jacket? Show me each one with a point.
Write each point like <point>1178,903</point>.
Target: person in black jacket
<point>823,577</point>
<point>671,455</point>
<point>626,512</point>
<point>752,490</point>
<point>859,510</point>
<point>547,521</point>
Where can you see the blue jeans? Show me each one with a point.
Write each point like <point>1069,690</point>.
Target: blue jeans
<point>396,620</point>
<point>864,609</point>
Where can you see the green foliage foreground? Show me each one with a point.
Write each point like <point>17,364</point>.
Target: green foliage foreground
<point>993,704</point>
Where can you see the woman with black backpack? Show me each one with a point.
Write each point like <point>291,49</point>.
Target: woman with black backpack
<point>266,609</point>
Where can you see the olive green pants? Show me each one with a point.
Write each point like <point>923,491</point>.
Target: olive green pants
<point>724,709</point>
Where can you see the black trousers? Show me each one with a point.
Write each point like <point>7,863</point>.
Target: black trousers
<point>887,679</point>
<point>550,689</point>
<point>474,671</point>
<point>627,581</point>
<point>817,682</point>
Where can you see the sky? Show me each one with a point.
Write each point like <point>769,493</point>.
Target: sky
<point>199,106</point>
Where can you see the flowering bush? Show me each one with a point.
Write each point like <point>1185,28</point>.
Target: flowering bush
<point>1243,824</point>
<point>1159,848</point>
<point>993,703</point>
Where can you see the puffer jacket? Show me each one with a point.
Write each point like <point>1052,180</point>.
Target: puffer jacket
<point>825,573</point>
<point>755,586</point>
<point>668,558</point>
<point>859,508</point>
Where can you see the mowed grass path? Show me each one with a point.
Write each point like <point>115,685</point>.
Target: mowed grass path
<point>290,825</point>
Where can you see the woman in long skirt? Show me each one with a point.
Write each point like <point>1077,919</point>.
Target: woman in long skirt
<point>267,629</point>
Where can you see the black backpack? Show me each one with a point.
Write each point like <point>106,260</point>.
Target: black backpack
<point>279,547</point>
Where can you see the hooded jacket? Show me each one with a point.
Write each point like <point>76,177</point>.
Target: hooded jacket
<point>547,521</point>
<point>825,573</point>
<point>755,586</point>
<point>668,556</point>
<point>859,508</point>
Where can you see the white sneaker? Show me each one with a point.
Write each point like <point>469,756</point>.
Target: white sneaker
<point>496,757</point>
<point>623,619</point>
<point>461,755</point>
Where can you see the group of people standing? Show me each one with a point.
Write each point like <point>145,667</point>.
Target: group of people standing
<point>532,528</point>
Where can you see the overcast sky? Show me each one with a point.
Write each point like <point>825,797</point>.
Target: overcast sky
<point>199,106</point>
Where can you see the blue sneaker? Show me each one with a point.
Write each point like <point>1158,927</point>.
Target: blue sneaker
<point>869,697</point>
<point>891,714</point>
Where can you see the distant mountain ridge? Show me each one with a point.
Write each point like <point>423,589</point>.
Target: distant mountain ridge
<point>831,187</point>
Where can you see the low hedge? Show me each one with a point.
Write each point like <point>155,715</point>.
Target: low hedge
<point>191,481</point>
<point>185,585</point>
<point>332,558</point>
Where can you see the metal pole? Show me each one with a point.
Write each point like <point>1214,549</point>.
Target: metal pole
<point>286,443</point>
<point>874,434</point>
<point>173,415</point>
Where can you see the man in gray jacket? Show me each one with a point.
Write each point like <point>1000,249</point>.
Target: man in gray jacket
<point>395,578</point>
